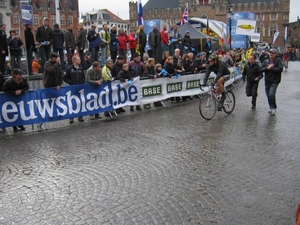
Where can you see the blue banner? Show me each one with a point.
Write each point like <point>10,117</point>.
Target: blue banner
<point>237,40</point>
<point>26,12</point>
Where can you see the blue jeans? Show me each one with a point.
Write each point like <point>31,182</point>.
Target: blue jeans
<point>164,47</point>
<point>270,89</point>
<point>61,56</point>
<point>29,59</point>
<point>103,56</point>
<point>15,61</point>
<point>94,54</point>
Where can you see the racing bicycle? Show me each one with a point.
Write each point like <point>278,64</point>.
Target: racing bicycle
<point>210,102</point>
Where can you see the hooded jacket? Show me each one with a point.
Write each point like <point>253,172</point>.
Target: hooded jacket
<point>58,39</point>
<point>43,34</point>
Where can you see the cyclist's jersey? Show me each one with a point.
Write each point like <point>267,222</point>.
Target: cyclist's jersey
<point>220,69</point>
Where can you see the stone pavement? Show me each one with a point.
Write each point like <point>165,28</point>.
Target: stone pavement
<point>159,166</point>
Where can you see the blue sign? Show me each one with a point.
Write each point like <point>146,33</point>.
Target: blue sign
<point>238,40</point>
<point>26,12</point>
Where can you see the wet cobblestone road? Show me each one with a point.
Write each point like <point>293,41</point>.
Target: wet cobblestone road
<point>159,166</point>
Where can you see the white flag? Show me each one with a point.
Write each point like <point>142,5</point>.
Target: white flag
<point>275,36</point>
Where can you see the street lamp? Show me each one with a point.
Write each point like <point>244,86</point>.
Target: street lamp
<point>229,16</point>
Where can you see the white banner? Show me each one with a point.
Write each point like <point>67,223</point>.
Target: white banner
<point>245,27</point>
<point>255,37</point>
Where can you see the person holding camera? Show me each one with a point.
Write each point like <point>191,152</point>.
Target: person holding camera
<point>95,42</point>
<point>15,48</point>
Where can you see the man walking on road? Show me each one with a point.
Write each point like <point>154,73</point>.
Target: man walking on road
<point>273,69</point>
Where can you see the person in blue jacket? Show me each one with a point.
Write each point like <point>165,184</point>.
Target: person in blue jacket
<point>95,42</point>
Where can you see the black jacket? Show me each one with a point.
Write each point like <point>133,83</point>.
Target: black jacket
<point>274,74</point>
<point>220,69</point>
<point>43,34</point>
<point>142,38</point>
<point>70,39</point>
<point>29,38</point>
<point>58,39</point>
<point>187,41</point>
<point>198,64</point>
<point>74,75</point>
<point>123,75</point>
<point>3,43</point>
<point>116,69</point>
<point>15,46</point>
<point>1,81</point>
<point>252,72</point>
<point>10,86</point>
<point>169,68</point>
<point>150,71</point>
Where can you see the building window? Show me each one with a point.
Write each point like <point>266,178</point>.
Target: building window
<point>17,31</point>
<point>273,29</point>
<point>16,18</point>
<point>273,16</point>
<point>99,22</point>
<point>45,14</point>
<point>63,20</point>
<point>36,19</point>
<point>53,19</point>
<point>44,5</point>
<point>70,20</point>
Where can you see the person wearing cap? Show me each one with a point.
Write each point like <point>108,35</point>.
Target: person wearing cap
<point>30,46</point>
<point>187,42</point>
<point>44,35</point>
<point>113,45</point>
<point>58,44</point>
<point>52,72</point>
<point>16,85</point>
<point>94,43</point>
<point>80,44</point>
<point>154,42</point>
<point>70,43</point>
<point>122,43</point>
<point>273,69</point>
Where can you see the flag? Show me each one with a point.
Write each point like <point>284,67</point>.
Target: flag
<point>185,16</point>
<point>275,36</point>
<point>137,48</point>
<point>222,34</point>
<point>286,35</point>
<point>140,13</point>
<point>228,39</point>
<point>207,27</point>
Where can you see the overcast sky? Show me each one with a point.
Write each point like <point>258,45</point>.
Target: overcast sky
<point>121,7</point>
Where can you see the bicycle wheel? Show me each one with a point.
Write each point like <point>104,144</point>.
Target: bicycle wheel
<point>229,103</point>
<point>208,106</point>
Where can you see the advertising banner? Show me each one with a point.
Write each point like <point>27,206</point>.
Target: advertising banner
<point>26,12</point>
<point>245,27</point>
<point>48,105</point>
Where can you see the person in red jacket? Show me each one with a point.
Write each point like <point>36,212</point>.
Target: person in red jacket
<point>122,43</point>
<point>132,43</point>
<point>164,39</point>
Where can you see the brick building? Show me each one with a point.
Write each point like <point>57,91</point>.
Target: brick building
<point>68,10</point>
<point>272,14</point>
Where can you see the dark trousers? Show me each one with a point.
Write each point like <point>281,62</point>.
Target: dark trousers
<point>45,54</point>
<point>251,90</point>
<point>2,63</point>
<point>83,63</point>
<point>61,56</point>
<point>132,51</point>
<point>29,59</point>
<point>122,52</point>
<point>155,53</point>
<point>270,89</point>
<point>113,55</point>
<point>69,53</point>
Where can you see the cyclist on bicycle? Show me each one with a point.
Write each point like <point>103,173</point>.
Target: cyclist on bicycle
<point>222,72</point>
